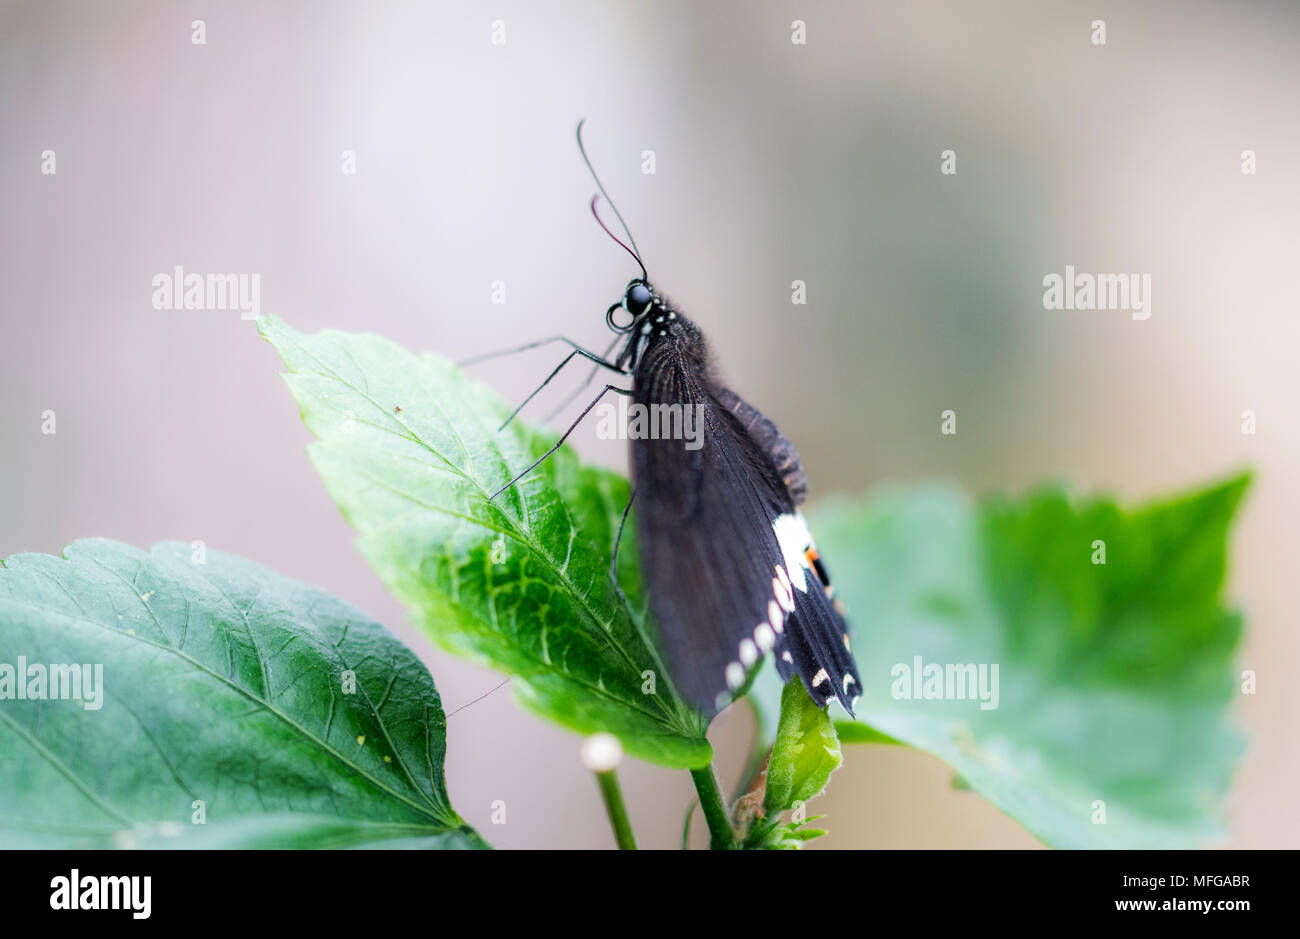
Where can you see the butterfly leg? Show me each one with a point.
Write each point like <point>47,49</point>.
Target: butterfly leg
<point>567,359</point>
<point>580,350</point>
<point>560,442</point>
<point>613,558</point>
<point>591,376</point>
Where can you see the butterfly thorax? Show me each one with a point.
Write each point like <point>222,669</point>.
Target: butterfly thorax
<point>655,324</point>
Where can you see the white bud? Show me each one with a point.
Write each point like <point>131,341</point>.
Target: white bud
<point>601,753</point>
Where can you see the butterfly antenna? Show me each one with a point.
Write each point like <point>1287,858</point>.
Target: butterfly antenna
<point>617,240</point>
<point>634,250</point>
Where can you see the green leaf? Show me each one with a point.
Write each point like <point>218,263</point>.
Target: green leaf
<point>805,754</point>
<point>222,683</point>
<point>858,732</point>
<point>409,449</point>
<point>1114,679</point>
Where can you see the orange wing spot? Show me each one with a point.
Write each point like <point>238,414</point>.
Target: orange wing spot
<point>846,643</point>
<point>811,554</point>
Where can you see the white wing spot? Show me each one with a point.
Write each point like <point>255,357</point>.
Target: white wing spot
<point>735,675</point>
<point>748,652</point>
<point>775,616</point>
<point>792,535</point>
<point>820,677</point>
<point>764,636</point>
<point>783,594</point>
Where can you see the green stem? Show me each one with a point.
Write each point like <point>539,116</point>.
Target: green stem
<point>617,810</point>
<point>715,810</point>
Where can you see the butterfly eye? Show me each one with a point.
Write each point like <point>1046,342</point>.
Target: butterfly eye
<point>638,299</point>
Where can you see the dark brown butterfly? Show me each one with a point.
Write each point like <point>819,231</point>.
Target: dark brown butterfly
<point>731,568</point>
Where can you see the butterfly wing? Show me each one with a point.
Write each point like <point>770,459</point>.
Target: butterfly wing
<point>767,438</point>
<point>731,569</point>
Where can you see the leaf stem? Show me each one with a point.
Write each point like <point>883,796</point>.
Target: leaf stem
<point>616,809</point>
<point>715,809</point>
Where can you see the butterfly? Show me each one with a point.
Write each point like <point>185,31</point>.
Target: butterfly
<point>732,571</point>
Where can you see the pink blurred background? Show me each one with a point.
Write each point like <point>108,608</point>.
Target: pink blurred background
<point>774,162</point>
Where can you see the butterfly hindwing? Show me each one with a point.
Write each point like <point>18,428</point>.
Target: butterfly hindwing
<point>768,438</point>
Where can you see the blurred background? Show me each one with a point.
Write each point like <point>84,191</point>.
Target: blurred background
<point>773,162</point>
